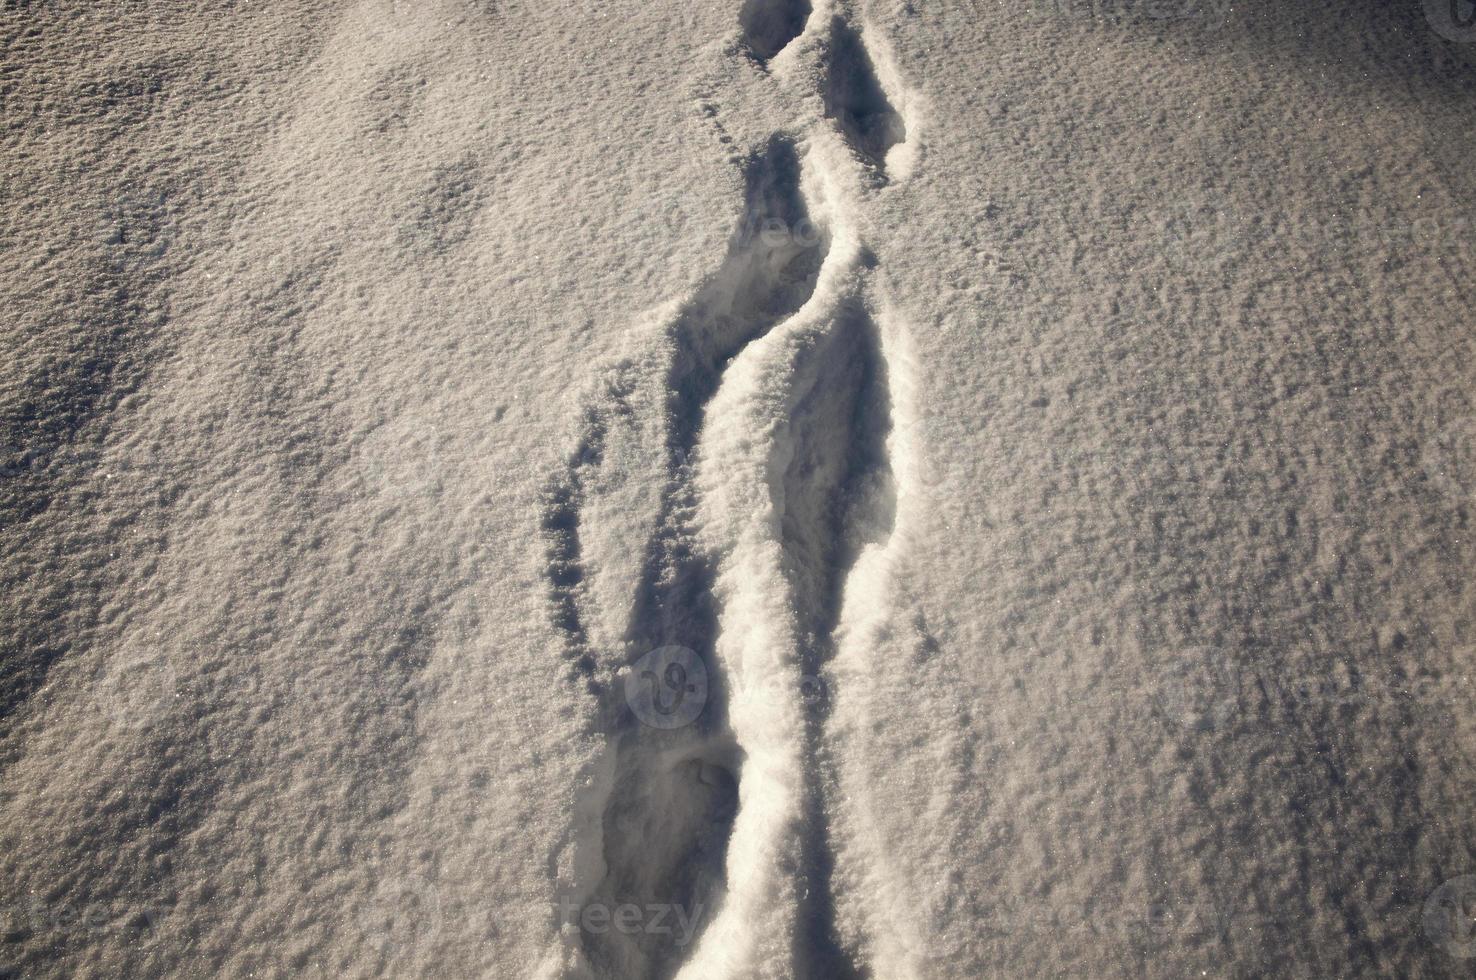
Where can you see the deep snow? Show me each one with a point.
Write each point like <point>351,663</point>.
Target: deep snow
<point>737,489</point>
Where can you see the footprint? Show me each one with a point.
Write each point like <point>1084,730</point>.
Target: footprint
<point>770,271</point>
<point>838,495</point>
<point>838,498</point>
<point>771,268</point>
<point>796,481</point>
<point>769,25</point>
<point>669,812</point>
<point>855,99</point>
<point>773,374</point>
<point>666,828</point>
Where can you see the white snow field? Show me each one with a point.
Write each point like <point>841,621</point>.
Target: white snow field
<point>718,489</point>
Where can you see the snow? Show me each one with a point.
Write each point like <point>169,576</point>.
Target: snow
<point>769,488</point>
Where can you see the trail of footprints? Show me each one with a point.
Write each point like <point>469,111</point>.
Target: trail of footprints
<point>773,411</point>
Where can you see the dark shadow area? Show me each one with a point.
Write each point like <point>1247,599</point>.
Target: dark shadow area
<point>855,100</point>
<point>666,831</point>
<point>771,268</point>
<point>669,816</point>
<point>839,497</point>
<point>769,25</point>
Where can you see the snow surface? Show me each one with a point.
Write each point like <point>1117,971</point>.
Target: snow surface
<point>738,488</point>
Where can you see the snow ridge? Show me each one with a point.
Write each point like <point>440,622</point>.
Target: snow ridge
<point>713,797</point>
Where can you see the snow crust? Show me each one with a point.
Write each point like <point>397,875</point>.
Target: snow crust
<point>770,488</point>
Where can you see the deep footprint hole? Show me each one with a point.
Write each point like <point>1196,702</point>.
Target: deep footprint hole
<point>666,843</point>
<point>856,100</point>
<point>769,25</point>
<point>770,271</point>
